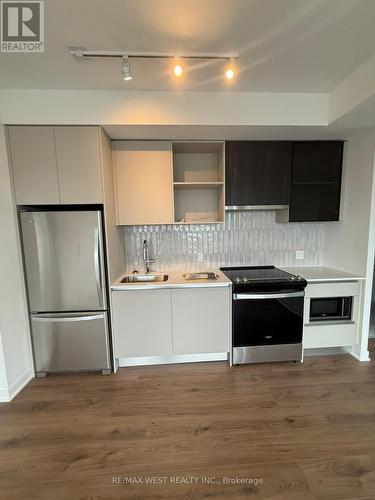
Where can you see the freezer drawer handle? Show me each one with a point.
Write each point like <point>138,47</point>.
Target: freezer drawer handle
<point>246,296</point>
<point>64,318</point>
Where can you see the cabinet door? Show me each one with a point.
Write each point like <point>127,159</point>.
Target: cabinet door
<point>142,323</point>
<point>33,159</point>
<point>78,164</point>
<point>316,181</point>
<point>144,182</point>
<point>257,172</point>
<point>201,320</point>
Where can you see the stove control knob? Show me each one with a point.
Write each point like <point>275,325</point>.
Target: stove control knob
<point>292,278</point>
<point>299,278</point>
<point>237,279</point>
<point>244,279</point>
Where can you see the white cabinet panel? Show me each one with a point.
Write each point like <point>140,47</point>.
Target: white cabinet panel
<point>142,323</point>
<point>143,171</point>
<point>333,289</point>
<point>201,320</point>
<point>33,159</point>
<point>78,164</point>
<point>315,336</point>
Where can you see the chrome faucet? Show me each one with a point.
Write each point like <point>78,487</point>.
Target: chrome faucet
<point>146,258</point>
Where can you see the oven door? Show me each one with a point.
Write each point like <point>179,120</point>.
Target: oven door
<point>262,319</point>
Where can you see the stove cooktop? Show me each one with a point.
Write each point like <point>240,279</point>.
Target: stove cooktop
<point>253,276</point>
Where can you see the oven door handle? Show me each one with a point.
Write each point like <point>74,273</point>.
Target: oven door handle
<point>247,296</point>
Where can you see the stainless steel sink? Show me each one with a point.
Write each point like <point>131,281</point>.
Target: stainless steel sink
<point>144,278</point>
<point>205,275</point>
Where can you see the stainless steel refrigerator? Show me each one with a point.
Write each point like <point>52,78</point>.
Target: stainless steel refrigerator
<point>66,282</point>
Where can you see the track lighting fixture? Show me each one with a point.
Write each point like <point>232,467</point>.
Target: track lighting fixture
<point>177,70</point>
<point>230,70</point>
<point>229,59</point>
<point>125,69</point>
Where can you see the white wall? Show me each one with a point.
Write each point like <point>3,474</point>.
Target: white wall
<point>351,242</point>
<point>4,395</point>
<point>16,367</point>
<point>347,241</point>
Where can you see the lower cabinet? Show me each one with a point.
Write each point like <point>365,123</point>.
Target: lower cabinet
<point>173,321</point>
<point>142,323</point>
<point>200,320</point>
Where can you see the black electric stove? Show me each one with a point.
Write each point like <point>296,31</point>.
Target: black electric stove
<point>267,311</point>
<point>259,278</point>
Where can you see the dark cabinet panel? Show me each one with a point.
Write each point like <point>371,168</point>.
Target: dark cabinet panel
<point>316,181</point>
<point>257,172</point>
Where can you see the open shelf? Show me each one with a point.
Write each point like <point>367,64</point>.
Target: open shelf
<point>198,161</point>
<point>197,185</point>
<point>198,182</point>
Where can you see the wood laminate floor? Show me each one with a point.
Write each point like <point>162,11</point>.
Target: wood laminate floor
<point>288,431</point>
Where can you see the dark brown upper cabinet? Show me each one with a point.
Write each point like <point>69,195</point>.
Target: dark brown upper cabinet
<point>316,181</point>
<point>257,173</point>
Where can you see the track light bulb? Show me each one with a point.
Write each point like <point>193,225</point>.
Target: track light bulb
<point>177,70</point>
<point>229,73</point>
<point>125,69</point>
<point>230,70</point>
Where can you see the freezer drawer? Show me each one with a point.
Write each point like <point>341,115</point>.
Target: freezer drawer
<point>70,342</point>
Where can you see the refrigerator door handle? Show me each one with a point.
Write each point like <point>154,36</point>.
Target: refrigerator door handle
<point>68,317</point>
<point>97,266</point>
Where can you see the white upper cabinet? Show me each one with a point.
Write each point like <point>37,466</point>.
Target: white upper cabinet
<point>33,159</point>
<point>143,171</point>
<point>78,165</point>
<point>54,165</point>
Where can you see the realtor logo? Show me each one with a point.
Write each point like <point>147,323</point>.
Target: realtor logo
<point>22,26</point>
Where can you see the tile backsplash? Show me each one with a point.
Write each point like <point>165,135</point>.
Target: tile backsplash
<point>245,238</point>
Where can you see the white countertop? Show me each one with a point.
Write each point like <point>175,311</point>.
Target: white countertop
<point>314,274</point>
<point>175,280</point>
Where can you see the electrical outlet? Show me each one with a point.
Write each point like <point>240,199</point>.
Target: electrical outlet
<point>300,254</point>
<point>200,257</point>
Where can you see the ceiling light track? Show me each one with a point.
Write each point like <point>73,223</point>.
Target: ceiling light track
<point>125,56</point>
<point>82,53</point>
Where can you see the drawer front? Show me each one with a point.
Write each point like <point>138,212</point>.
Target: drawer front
<point>69,342</point>
<point>341,289</point>
<point>329,335</point>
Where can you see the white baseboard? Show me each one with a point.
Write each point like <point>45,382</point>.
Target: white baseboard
<point>361,356</point>
<point>330,351</point>
<point>6,395</point>
<point>326,351</point>
<point>173,358</point>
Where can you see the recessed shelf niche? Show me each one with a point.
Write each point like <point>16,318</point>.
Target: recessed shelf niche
<point>198,182</point>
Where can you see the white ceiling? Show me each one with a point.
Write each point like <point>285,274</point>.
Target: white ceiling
<point>284,45</point>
